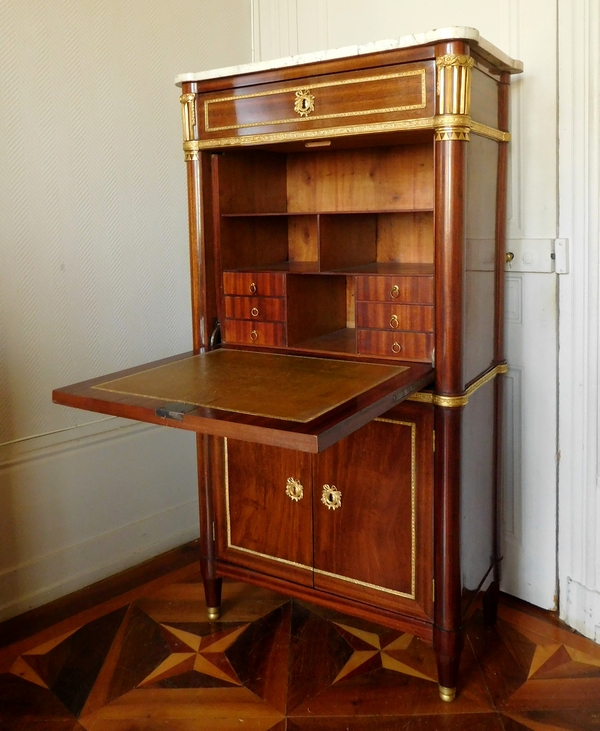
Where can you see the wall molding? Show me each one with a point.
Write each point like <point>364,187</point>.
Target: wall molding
<point>579,357</point>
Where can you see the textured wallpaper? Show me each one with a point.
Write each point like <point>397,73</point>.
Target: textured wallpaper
<point>93,225</point>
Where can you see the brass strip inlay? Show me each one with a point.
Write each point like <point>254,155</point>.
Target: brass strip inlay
<point>462,399</point>
<point>491,132</point>
<point>306,88</point>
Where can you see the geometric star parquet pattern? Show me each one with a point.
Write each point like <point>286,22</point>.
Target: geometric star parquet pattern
<point>155,663</point>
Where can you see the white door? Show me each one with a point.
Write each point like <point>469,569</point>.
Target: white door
<point>526,31</point>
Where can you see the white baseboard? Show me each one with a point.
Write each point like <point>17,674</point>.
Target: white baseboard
<point>581,610</point>
<point>82,505</point>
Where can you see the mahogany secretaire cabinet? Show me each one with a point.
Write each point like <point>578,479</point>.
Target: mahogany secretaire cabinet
<point>347,222</point>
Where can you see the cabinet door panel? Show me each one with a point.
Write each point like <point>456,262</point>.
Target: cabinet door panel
<point>259,525</point>
<point>376,546</point>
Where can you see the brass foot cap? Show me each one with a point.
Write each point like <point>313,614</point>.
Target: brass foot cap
<point>447,694</point>
<point>213,613</point>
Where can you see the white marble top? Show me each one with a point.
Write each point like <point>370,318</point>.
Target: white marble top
<point>486,49</point>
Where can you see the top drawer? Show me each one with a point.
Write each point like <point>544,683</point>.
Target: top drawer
<point>258,283</point>
<point>400,92</point>
<point>411,290</point>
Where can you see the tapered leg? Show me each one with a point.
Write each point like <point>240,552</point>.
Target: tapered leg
<point>212,583</point>
<point>448,647</point>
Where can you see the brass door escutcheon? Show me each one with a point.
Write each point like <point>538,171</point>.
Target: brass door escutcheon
<point>395,291</point>
<point>331,497</point>
<point>394,321</point>
<point>294,489</point>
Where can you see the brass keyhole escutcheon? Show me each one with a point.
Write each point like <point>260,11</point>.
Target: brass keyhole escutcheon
<point>294,489</point>
<point>396,348</point>
<point>394,321</point>
<point>331,497</point>
<point>304,103</point>
<point>254,312</point>
<point>254,335</point>
<point>395,291</point>
<point>253,287</point>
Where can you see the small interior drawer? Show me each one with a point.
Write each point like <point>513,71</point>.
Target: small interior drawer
<point>413,290</point>
<point>401,345</point>
<point>246,332</point>
<point>383,316</point>
<point>255,308</point>
<point>264,284</point>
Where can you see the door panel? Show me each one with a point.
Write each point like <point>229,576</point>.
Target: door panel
<point>378,542</point>
<point>259,525</point>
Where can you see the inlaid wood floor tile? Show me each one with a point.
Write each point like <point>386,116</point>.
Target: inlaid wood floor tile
<point>273,664</point>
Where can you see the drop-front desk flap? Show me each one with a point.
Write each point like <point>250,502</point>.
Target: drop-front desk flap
<point>298,402</point>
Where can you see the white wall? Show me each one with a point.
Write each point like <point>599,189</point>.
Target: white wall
<point>579,485</point>
<point>94,277</point>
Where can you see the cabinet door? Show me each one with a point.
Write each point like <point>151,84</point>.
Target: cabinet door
<point>264,510</point>
<point>376,546</point>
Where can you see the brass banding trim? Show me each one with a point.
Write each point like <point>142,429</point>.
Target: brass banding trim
<point>446,122</point>
<point>308,134</point>
<point>310,87</point>
<point>461,399</point>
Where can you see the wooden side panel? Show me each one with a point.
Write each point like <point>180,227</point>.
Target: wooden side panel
<point>258,525</point>
<point>369,179</point>
<point>479,284</point>
<point>315,306</point>
<point>253,241</point>
<point>347,241</point>
<point>252,182</point>
<point>405,238</point>
<point>381,535</point>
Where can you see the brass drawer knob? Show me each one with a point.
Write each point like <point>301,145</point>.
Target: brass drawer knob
<point>254,312</point>
<point>253,335</point>
<point>395,291</point>
<point>294,489</point>
<point>331,497</point>
<point>396,348</point>
<point>394,321</point>
<point>253,287</point>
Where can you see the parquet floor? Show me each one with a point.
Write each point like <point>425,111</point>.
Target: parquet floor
<point>148,660</point>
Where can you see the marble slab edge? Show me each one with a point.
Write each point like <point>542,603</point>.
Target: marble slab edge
<point>471,35</point>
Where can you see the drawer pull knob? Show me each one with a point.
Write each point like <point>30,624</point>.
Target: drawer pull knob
<point>253,335</point>
<point>253,287</point>
<point>395,291</point>
<point>394,321</point>
<point>331,497</point>
<point>294,489</point>
<point>396,347</point>
<point>254,312</point>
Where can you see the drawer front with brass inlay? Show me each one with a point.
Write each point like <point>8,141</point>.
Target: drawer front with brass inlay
<point>255,308</point>
<point>261,284</point>
<point>394,317</point>
<point>414,290</point>
<point>401,345</point>
<point>246,332</point>
<point>400,92</point>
